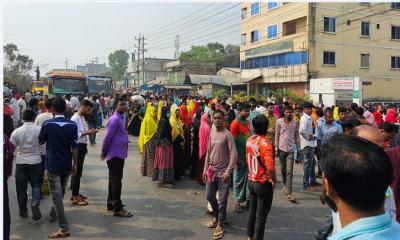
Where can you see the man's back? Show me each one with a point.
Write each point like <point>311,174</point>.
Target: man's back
<point>60,134</point>
<point>25,139</point>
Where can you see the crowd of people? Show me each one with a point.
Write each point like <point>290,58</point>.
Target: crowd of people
<point>221,144</point>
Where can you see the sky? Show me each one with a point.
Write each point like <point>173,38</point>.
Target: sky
<point>50,32</point>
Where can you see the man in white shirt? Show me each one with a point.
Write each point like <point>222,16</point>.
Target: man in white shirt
<point>74,103</point>
<point>22,103</point>
<point>83,132</point>
<point>28,96</point>
<point>307,147</point>
<point>28,164</point>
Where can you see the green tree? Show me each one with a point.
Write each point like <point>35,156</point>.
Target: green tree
<point>118,61</point>
<point>16,67</point>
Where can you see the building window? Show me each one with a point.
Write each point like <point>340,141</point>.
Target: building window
<point>395,5</point>
<point>272,5</point>
<point>395,32</point>
<point>364,60</point>
<point>396,62</point>
<point>365,3</point>
<point>244,39</point>
<point>329,58</point>
<point>244,13</point>
<point>255,9</point>
<point>329,24</point>
<point>272,31</point>
<point>278,60</point>
<point>364,28</point>
<point>255,36</point>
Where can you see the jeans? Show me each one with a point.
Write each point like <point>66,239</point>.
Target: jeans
<point>115,174</point>
<point>286,160</point>
<point>92,138</point>
<point>261,195</point>
<point>308,167</point>
<point>58,183</point>
<point>219,208</point>
<point>33,174</point>
<point>99,120</point>
<point>76,180</point>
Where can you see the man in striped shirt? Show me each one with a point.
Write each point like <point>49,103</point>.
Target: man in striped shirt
<point>286,135</point>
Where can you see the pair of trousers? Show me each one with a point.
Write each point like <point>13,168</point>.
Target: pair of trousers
<point>240,188</point>
<point>287,160</point>
<point>76,180</point>
<point>92,138</point>
<point>261,195</point>
<point>308,167</point>
<point>7,215</point>
<point>58,183</point>
<point>99,119</point>
<point>218,207</point>
<point>115,174</point>
<point>32,174</point>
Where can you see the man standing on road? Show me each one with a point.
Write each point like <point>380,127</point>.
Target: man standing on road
<point>286,135</point>
<point>74,104</point>
<point>220,161</point>
<point>115,151</point>
<point>60,136</point>
<point>78,118</point>
<point>28,167</point>
<point>307,146</point>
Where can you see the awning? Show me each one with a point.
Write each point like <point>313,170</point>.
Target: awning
<point>179,87</point>
<point>247,80</point>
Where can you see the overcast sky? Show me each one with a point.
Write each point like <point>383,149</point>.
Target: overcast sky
<point>80,31</point>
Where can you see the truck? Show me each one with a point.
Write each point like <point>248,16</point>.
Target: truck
<point>65,81</point>
<point>40,87</point>
<point>99,84</point>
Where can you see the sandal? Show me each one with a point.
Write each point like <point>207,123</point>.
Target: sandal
<point>60,233</point>
<point>82,196</point>
<point>285,191</point>
<point>79,202</point>
<point>123,213</point>
<point>219,232</point>
<point>212,223</point>
<point>290,198</point>
<point>311,189</point>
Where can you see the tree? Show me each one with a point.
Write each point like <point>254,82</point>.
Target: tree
<point>227,56</point>
<point>118,61</point>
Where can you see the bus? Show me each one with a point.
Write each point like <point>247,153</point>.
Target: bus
<point>99,84</point>
<point>65,81</point>
<point>39,87</point>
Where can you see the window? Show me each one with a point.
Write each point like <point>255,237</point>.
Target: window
<point>272,31</point>
<point>255,9</point>
<point>395,5</point>
<point>396,62</point>
<point>244,13</point>
<point>329,24</point>
<point>244,39</point>
<point>255,36</point>
<point>395,32</point>
<point>364,28</point>
<point>278,60</point>
<point>329,58</point>
<point>272,5</point>
<point>364,61</point>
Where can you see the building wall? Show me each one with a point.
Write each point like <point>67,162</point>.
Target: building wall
<point>229,76</point>
<point>348,45</point>
<point>153,68</point>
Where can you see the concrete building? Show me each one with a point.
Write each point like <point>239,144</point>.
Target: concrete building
<point>232,79</point>
<point>284,45</point>
<point>178,70</point>
<point>153,68</point>
<point>93,69</point>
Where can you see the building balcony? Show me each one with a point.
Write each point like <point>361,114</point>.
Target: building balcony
<point>281,74</point>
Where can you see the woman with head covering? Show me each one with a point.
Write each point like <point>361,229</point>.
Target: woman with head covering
<point>159,110</point>
<point>164,159</point>
<point>194,159</point>
<point>276,111</point>
<point>187,128</point>
<point>16,116</point>
<point>147,143</point>
<point>204,135</point>
<point>177,142</point>
<point>8,123</point>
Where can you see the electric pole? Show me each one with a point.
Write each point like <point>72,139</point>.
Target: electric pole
<point>138,46</point>
<point>144,64</point>
<point>66,63</point>
<point>176,55</point>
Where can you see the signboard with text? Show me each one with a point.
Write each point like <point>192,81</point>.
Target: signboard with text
<point>343,83</point>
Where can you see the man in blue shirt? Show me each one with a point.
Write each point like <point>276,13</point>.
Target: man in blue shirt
<point>356,175</point>
<point>61,138</point>
<point>327,128</point>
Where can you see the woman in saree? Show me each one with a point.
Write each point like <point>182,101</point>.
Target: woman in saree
<point>204,135</point>
<point>147,141</point>
<point>195,141</point>
<point>164,159</point>
<point>177,142</point>
<point>187,128</point>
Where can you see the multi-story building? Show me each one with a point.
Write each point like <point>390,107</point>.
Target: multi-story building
<point>284,45</point>
<point>93,69</point>
<point>153,68</point>
<point>178,70</point>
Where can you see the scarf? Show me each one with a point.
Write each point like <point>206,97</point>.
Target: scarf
<point>190,108</point>
<point>186,120</point>
<point>148,127</point>
<point>176,124</point>
<point>204,134</point>
<point>7,110</point>
<point>276,111</point>
<point>160,105</point>
<point>336,113</point>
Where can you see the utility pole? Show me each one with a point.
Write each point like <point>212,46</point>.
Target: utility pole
<point>144,64</point>
<point>66,63</point>
<point>138,46</point>
<point>176,55</point>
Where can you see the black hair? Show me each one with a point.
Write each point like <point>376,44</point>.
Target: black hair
<point>59,105</point>
<point>320,112</point>
<point>270,104</point>
<point>350,123</point>
<point>359,171</point>
<point>234,105</point>
<point>164,112</point>
<point>33,102</point>
<point>359,111</point>
<point>243,106</point>
<point>47,103</point>
<point>286,108</point>
<point>307,105</point>
<point>227,107</point>
<point>119,99</point>
<point>219,111</point>
<point>260,124</point>
<point>328,111</point>
<point>28,115</point>
<point>353,106</point>
<point>87,103</point>
<point>342,109</point>
<point>389,127</point>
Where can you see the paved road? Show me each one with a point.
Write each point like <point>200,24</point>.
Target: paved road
<point>159,213</point>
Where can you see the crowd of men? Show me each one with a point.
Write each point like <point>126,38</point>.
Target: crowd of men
<point>221,144</point>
